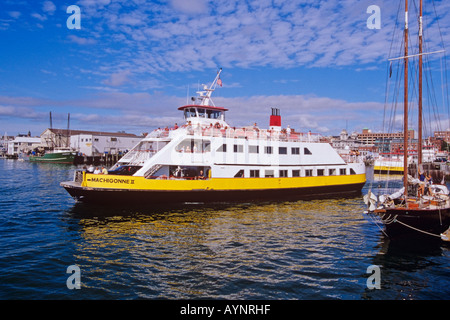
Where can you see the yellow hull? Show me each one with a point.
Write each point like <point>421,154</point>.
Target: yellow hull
<point>129,189</point>
<point>118,182</point>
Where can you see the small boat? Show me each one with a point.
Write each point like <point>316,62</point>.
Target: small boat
<point>392,164</point>
<point>422,205</point>
<point>208,160</point>
<point>57,155</point>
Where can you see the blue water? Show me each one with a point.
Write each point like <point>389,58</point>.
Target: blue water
<point>317,249</point>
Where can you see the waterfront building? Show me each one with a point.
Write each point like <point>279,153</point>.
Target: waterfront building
<point>91,143</point>
<point>443,135</point>
<point>22,145</point>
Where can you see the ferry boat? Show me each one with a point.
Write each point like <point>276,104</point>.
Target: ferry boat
<point>207,160</point>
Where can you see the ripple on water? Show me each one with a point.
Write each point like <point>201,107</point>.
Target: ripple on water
<point>317,249</point>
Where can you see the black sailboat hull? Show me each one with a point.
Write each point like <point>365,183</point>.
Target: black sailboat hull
<point>419,222</point>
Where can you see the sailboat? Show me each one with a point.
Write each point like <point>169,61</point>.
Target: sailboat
<point>410,210</point>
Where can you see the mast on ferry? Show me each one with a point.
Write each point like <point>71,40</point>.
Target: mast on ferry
<point>205,95</point>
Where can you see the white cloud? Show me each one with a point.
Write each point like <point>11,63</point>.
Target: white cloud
<point>39,16</point>
<point>117,79</point>
<point>49,7</point>
<point>14,14</point>
<point>190,6</point>
<point>81,41</point>
<point>190,35</point>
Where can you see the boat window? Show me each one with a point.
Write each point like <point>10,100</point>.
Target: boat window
<point>213,114</point>
<point>125,170</point>
<point>308,173</point>
<point>239,174</point>
<point>331,172</point>
<point>352,171</point>
<point>342,172</point>
<point>282,150</point>
<point>296,173</point>
<point>283,173</point>
<point>222,148</point>
<point>201,113</point>
<point>268,150</point>
<point>295,150</point>
<point>306,151</point>
<point>189,172</point>
<point>190,113</point>
<point>254,173</point>
<point>194,146</point>
<point>238,148</point>
<point>253,149</point>
<point>320,172</point>
<point>269,174</point>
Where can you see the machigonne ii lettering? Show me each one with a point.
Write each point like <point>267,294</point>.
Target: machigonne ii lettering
<point>111,180</point>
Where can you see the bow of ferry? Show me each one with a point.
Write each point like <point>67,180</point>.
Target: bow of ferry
<point>207,160</point>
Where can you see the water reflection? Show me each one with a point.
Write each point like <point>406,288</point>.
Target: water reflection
<point>317,249</point>
<point>250,250</point>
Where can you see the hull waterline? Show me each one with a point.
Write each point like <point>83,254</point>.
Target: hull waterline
<point>125,196</point>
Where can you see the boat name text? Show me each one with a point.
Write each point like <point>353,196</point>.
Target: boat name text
<point>112,180</point>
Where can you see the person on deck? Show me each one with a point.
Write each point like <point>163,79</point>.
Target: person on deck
<point>428,183</point>
<point>422,179</point>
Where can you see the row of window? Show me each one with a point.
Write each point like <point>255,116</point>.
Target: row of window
<point>95,139</point>
<point>239,148</point>
<point>295,173</point>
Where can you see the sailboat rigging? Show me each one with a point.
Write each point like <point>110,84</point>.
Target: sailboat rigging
<point>410,210</point>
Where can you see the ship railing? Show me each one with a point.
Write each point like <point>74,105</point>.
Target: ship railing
<point>260,134</point>
<point>138,157</point>
<point>78,176</point>
<point>237,133</point>
<point>159,133</point>
<point>352,158</point>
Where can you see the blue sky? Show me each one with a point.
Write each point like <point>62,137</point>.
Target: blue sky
<point>132,63</point>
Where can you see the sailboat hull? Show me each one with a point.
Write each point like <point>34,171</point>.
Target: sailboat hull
<point>426,222</point>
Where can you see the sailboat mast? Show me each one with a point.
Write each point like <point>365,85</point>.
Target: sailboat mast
<point>420,143</point>
<point>68,131</point>
<point>405,107</point>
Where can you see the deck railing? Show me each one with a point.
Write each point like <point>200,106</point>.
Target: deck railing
<point>238,133</point>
